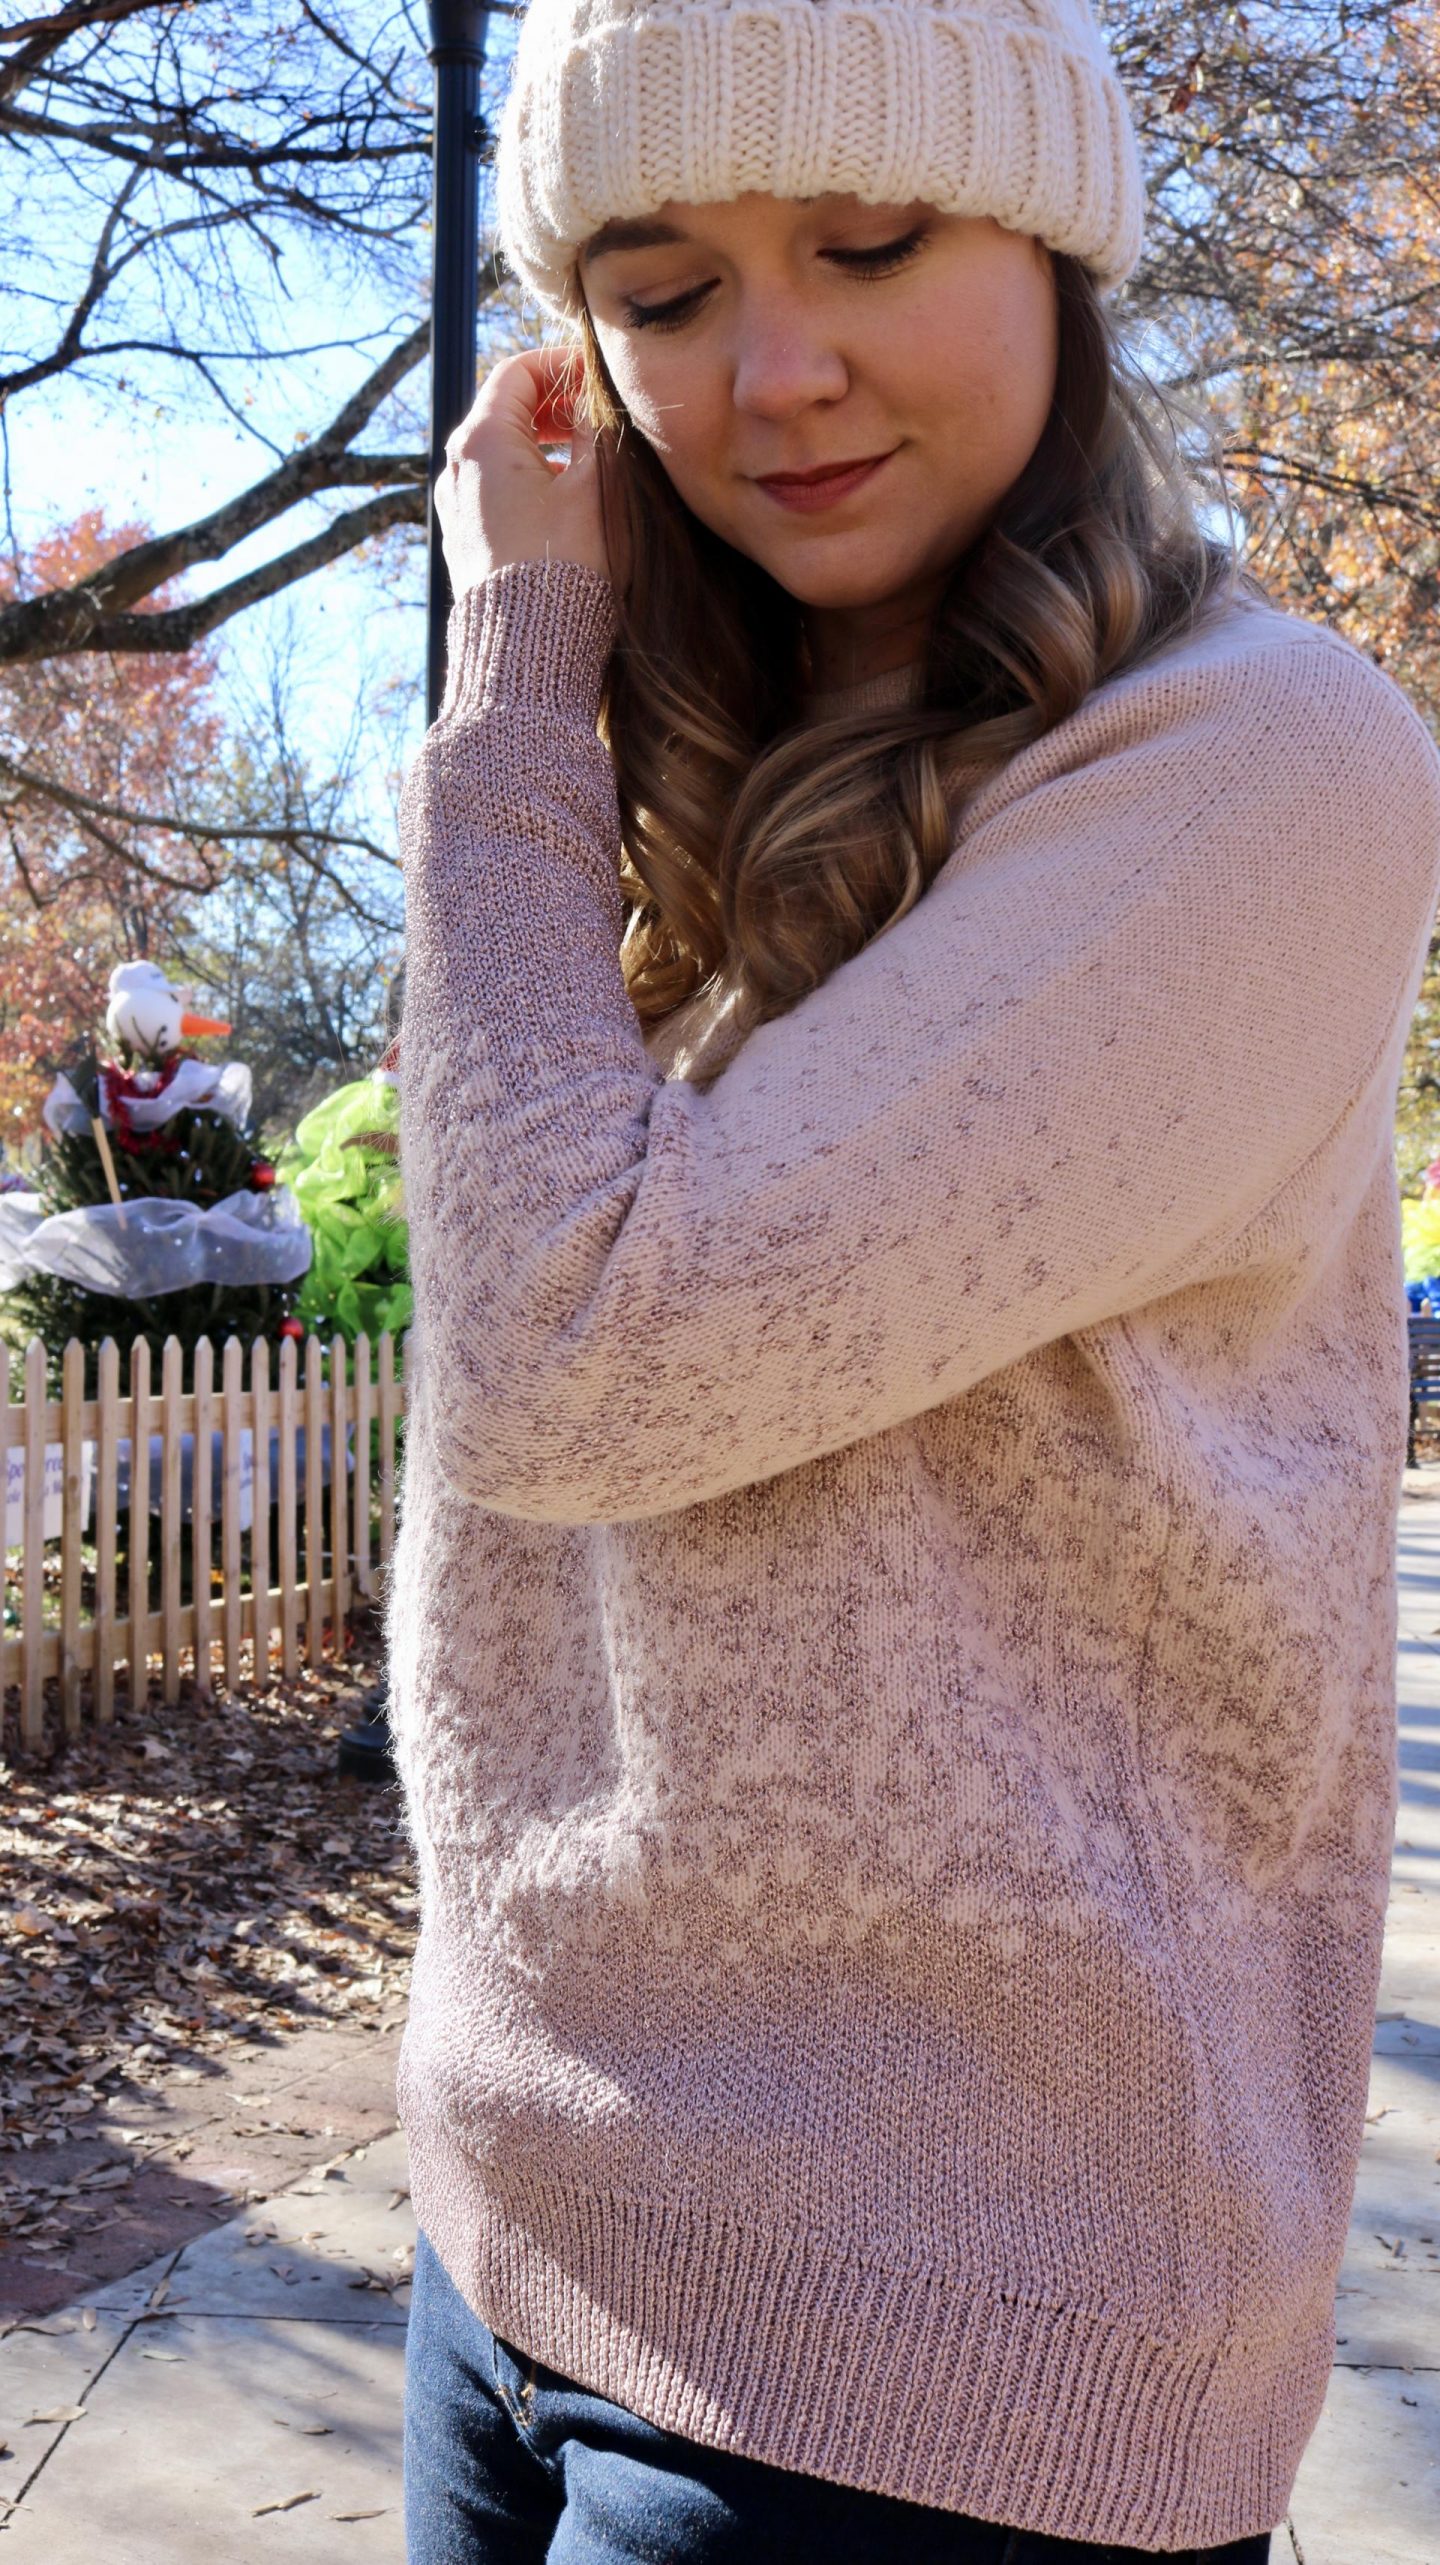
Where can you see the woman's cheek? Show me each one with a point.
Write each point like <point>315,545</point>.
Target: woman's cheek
<point>685,459</point>
<point>659,393</point>
<point>654,413</point>
<point>668,406</point>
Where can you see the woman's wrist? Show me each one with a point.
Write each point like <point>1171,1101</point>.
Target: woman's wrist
<point>533,633</point>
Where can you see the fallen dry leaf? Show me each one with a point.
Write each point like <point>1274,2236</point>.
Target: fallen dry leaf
<point>162,1910</point>
<point>61,2413</point>
<point>162,2355</point>
<point>382,2508</point>
<point>289,2503</point>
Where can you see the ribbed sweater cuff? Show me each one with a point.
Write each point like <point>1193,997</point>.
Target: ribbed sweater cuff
<point>534,633</point>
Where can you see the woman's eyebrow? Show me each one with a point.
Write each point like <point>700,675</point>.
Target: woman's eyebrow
<point>640,234</point>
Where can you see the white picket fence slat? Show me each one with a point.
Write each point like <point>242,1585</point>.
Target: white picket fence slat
<point>245,1619</point>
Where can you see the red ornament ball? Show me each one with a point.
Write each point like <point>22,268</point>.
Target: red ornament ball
<point>292,1327</point>
<point>262,1176</point>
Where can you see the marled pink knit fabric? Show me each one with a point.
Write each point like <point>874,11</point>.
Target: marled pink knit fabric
<point>893,1624</point>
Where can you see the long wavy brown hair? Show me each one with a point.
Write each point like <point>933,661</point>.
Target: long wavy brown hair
<point>762,845</point>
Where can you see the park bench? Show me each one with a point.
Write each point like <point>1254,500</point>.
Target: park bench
<point>1424,1373</point>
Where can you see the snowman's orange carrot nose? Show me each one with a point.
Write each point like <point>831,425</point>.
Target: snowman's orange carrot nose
<point>193,1024</point>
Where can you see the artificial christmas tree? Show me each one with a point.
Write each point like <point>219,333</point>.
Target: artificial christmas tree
<point>154,1214</point>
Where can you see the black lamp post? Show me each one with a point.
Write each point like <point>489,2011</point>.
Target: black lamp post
<point>457,50</point>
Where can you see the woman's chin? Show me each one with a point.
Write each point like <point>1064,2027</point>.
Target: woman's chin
<point>838,586</point>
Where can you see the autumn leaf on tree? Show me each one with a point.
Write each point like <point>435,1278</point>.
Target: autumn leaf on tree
<point>82,739</point>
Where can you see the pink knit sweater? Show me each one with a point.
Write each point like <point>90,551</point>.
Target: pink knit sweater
<point>893,1622</point>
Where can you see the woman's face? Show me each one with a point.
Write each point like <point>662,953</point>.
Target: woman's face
<point>844,392</point>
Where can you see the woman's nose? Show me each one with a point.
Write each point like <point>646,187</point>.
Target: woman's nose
<point>783,365</point>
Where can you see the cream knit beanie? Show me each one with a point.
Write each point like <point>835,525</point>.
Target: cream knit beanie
<point>1011,108</point>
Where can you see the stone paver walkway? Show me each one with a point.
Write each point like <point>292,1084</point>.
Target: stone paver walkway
<point>1368,2492</point>
<point>241,2397</point>
<point>237,2399</point>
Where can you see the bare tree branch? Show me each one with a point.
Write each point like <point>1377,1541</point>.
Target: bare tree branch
<point>67,22</point>
<point>198,831</point>
<point>41,38</point>
<point>180,627</point>
<point>84,617</point>
<point>102,273</point>
<point>148,151</point>
<point>1303,472</point>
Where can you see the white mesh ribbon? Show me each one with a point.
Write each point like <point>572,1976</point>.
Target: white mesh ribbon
<point>136,1249</point>
<point>228,1090</point>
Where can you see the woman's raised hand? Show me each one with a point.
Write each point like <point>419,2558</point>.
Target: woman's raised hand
<point>501,498</point>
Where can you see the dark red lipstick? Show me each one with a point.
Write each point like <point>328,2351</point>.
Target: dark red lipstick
<point>823,486</point>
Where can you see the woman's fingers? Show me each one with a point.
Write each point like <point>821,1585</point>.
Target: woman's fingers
<point>532,392</point>
<point>502,497</point>
<point>555,414</point>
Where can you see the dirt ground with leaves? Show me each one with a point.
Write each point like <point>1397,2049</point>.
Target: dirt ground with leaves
<point>205,1943</point>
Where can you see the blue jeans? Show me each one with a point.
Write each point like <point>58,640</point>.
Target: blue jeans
<point>508,2463</point>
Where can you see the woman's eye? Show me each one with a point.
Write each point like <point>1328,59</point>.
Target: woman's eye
<point>879,261</point>
<point>666,316</point>
<point>888,254</point>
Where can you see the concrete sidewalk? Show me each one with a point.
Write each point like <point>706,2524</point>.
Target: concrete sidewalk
<point>1368,2492</point>
<point>238,2398</point>
<point>242,2396</point>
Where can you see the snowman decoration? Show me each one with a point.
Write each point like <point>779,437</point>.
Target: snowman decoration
<point>139,1243</point>
<point>147,1020</point>
<point>145,1012</point>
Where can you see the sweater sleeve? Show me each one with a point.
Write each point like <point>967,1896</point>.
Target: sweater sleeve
<point>1177,947</point>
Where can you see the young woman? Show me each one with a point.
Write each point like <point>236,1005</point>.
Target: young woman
<point>909,955</point>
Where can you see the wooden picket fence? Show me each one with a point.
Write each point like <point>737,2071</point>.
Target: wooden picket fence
<point>255,1626</point>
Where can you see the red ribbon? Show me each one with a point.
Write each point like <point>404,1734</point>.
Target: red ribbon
<point>121,1088</point>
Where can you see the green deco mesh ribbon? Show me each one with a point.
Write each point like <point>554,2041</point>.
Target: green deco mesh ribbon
<point>344,1174</point>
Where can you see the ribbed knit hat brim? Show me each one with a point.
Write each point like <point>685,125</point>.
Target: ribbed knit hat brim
<point>1011,108</point>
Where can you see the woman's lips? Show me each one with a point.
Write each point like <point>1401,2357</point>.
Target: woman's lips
<point>823,488</point>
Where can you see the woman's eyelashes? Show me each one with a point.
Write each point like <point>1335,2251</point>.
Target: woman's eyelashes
<point>888,254</point>
<point>862,264</point>
<point>664,316</point>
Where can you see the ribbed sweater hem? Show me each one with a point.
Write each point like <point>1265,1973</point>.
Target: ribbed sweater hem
<point>917,2385</point>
